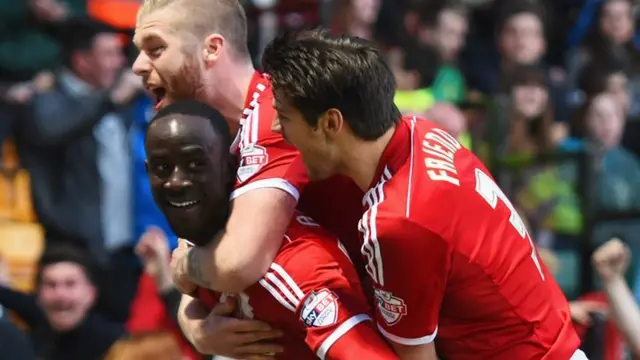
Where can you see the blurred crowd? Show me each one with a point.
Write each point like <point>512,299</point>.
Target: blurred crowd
<point>546,92</point>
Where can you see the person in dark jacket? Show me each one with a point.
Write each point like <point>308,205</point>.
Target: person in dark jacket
<point>60,316</point>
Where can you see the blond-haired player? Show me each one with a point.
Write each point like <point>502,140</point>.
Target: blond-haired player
<point>196,49</point>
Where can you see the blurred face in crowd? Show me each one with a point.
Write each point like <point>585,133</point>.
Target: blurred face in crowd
<point>169,60</point>
<point>66,294</point>
<point>617,86</point>
<point>605,120</point>
<point>191,175</point>
<point>530,100</point>
<point>365,11</point>
<point>102,64</point>
<point>450,34</point>
<point>522,39</point>
<point>450,117</point>
<point>616,21</point>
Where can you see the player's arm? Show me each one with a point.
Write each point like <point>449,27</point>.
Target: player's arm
<point>250,242</point>
<point>409,266</point>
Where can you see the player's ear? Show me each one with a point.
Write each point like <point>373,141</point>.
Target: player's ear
<point>212,49</point>
<point>331,122</point>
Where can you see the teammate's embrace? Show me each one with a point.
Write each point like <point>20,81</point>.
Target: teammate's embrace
<point>311,291</point>
<point>447,252</point>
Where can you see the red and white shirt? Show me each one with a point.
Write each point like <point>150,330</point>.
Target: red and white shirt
<point>449,256</point>
<point>312,293</point>
<point>268,161</point>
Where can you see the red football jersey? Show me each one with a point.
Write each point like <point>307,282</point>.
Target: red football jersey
<point>268,161</point>
<point>312,293</point>
<point>449,256</point>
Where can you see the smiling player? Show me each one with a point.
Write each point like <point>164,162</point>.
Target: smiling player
<point>311,291</point>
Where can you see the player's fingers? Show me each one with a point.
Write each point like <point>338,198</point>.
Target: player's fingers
<point>259,349</point>
<point>594,306</point>
<point>256,336</point>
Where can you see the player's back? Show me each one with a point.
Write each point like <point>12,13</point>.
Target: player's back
<point>298,294</point>
<point>499,301</point>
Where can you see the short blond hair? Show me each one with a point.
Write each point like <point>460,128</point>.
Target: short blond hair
<point>204,17</point>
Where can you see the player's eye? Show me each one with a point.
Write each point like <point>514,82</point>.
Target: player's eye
<point>156,51</point>
<point>196,164</point>
<point>160,168</point>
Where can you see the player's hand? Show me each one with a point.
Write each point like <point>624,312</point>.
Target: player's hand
<point>153,250</point>
<point>127,87</point>
<point>179,269</point>
<point>220,334</point>
<point>611,259</point>
<point>581,310</point>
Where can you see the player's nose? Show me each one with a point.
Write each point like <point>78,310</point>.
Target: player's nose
<point>142,65</point>
<point>177,181</point>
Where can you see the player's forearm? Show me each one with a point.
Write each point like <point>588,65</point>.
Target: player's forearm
<point>418,352</point>
<point>625,311</point>
<point>226,267</point>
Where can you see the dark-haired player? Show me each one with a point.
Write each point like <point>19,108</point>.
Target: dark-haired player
<point>447,252</point>
<point>311,291</point>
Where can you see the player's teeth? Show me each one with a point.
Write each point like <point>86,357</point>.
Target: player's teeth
<point>182,204</point>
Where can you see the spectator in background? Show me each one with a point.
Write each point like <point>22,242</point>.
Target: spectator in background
<point>611,261</point>
<point>356,17</point>
<point>444,26</point>
<point>414,67</point>
<point>75,145</point>
<point>612,33</point>
<point>60,317</point>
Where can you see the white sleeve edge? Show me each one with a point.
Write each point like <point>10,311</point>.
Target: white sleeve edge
<point>339,332</point>
<point>408,341</point>
<point>276,183</point>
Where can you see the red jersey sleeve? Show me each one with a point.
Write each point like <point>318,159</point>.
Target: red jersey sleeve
<point>266,160</point>
<point>330,306</point>
<point>409,266</point>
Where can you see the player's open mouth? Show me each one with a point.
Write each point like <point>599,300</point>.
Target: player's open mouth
<point>183,204</point>
<point>159,95</point>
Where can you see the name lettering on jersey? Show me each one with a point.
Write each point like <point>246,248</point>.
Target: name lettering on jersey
<point>306,221</point>
<point>252,159</point>
<point>391,308</point>
<point>320,308</point>
<point>440,148</point>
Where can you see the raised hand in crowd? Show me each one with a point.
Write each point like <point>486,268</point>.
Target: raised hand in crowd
<point>153,250</point>
<point>126,89</point>
<point>21,93</point>
<point>611,261</point>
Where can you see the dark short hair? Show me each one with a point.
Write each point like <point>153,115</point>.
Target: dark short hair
<point>516,7</point>
<point>595,75</point>
<point>430,11</point>
<point>201,110</point>
<point>66,252</point>
<point>316,72</point>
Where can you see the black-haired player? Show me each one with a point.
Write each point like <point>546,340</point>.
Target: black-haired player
<point>311,291</point>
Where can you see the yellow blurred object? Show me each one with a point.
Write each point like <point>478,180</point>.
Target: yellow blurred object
<point>21,245</point>
<point>15,189</point>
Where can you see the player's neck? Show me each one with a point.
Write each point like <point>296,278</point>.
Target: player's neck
<point>363,157</point>
<point>231,97</point>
